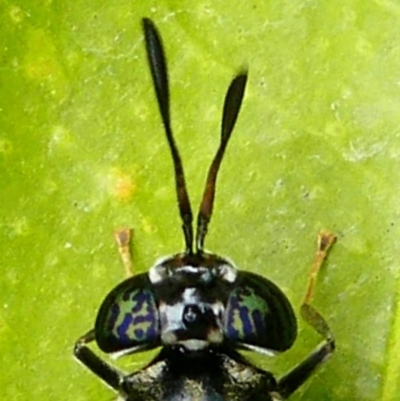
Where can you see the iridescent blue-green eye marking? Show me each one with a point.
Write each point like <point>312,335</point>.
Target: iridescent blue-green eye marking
<point>244,320</point>
<point>128,317</point>
<point>258,313</point>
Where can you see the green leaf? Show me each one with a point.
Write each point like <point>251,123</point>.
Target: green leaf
<point>82,152</point>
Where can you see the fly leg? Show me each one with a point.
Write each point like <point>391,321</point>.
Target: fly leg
<point>123,238</point>
<point>109,374</point>
<point>298,375</point>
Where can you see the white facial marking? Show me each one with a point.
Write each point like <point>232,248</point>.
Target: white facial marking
<point>188,269</point>
<point>189,296</point>
<point>228,273</point>
<point>218,310</point>
<point>194,345</point>
<point>171,321</point>
<point>157,273</point>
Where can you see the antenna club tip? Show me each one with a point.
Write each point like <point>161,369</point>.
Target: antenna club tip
<point>240,81</point>
<point>243,72</point>
<point>148,25</point>
<point>147,21</point>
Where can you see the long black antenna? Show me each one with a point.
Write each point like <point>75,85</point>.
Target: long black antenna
<point>158,67</point>
<point>233,101</point>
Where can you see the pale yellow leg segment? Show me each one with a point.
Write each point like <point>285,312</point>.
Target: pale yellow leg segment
<point>309,314</point>
<point>325,241</point>
<point>123,237</point>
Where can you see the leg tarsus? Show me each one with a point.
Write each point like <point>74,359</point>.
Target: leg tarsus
<point>310,315</point>
<point>324,242</point>
<point>123,238</point>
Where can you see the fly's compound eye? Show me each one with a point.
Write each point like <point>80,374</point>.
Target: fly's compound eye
<point>258,315</point>
<point>128,317</point>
